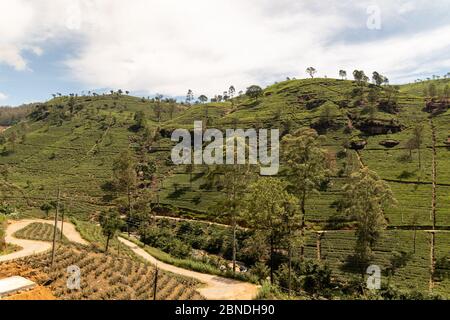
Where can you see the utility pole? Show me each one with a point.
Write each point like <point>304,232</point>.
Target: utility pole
<point>55,228</point>
<point>155,283</point>
<point>433,174</point>
<point>62,223</point>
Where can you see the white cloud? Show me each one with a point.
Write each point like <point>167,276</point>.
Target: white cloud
<point>3,96</point>
<point>172,45</point>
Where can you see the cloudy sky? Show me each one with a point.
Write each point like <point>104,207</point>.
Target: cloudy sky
<point>170,46</point>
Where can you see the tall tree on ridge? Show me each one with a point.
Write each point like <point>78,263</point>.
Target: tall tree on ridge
<point>311,71</point>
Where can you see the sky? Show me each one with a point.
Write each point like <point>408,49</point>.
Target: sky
<point>170,46</point>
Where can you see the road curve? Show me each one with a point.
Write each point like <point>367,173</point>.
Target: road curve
<point>31,247</point>
<point>216,288</point>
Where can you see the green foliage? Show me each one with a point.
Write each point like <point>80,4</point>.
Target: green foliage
<point>111,223</point>
<point>365,200</point>
<point>46,207</point>
<point>309,276</point>
<point>39,231</point>
<point>254,92</point>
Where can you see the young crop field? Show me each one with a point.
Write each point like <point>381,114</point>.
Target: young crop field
<point>40,231</point>
<point>103,277</point>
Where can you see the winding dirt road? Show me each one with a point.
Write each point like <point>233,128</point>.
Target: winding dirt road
<point>216,288</point>
<point>31,247</point>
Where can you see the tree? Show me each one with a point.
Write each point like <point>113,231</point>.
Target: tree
<point>203,98</point>
<point>12,139</point>
<point>432,90</point>
<point>158,109</point>
<point>110,222</point>
<point>365,199</point>
<point>125,177</point>
<point>254,92</point>
<point>231,91</point>
<point>416,141</point>
<point>46,207</point>
<point>360,77</point>
<point>446,92</point>
<point>342,74</point>
<point>232,181</point>
<point>269,208</point>
<point>311,71</point>
<point>189,97</point>
<point>172,108</point>
<point>139,119</point>
<point>377,78</point>
<point>307,165</point>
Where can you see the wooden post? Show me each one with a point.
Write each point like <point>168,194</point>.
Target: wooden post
<point>155,283</point>
<point>55,228</point>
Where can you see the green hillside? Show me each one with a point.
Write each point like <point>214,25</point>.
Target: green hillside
<point>75,150</point>
<point>421,88</point>
<point>71,142</point>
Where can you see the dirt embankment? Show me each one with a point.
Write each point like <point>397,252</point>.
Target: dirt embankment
<point>38,293</point>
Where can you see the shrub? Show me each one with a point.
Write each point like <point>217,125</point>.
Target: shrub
<point>310,276</point>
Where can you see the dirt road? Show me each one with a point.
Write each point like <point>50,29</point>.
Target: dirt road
<point>30,247</point>
<point>216,288</point>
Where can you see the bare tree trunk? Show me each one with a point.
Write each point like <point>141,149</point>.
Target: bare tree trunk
<point>62,225</point>
<point>107,243</point>
<point>290,270</point>
<point>55,229</point>
<point>129,210</point>
<point>302,232</point>
<point>432,261</point>
<point>234,246</point>
<point>271,258</point>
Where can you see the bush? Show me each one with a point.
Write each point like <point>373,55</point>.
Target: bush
<point>261,271</point>
<point>310,276</point>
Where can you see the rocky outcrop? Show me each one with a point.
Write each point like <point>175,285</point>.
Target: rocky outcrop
<point>437,107</point>
<point>357,144</point>
<point>374,127</point>
<point>388,106</point>
<point>389,143</point>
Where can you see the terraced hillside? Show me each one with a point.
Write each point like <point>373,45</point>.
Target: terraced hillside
<point>72,142</point>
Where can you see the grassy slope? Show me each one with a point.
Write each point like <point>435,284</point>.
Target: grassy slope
<point>418,89</point>
<point>78,155</point>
